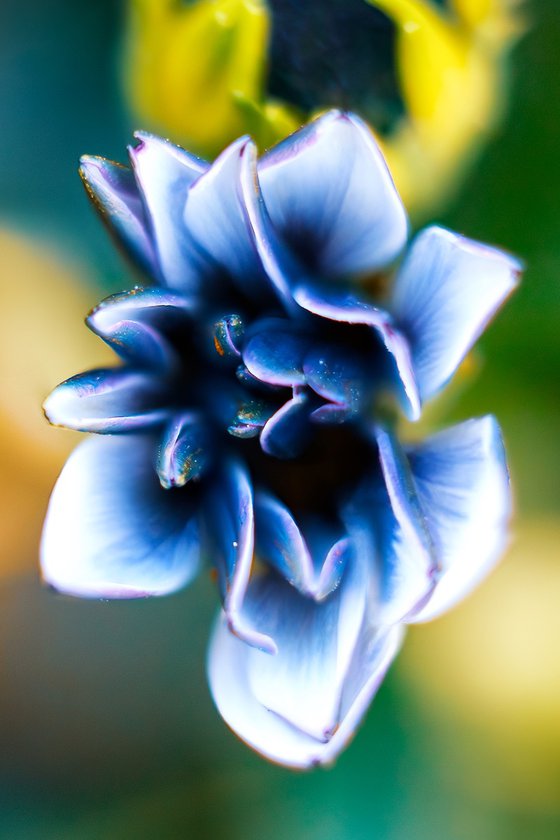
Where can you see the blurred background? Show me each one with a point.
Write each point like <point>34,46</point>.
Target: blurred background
<point>107,728</point>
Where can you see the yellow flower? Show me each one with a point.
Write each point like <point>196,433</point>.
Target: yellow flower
<point>197,72</point>
<point>451,69</point>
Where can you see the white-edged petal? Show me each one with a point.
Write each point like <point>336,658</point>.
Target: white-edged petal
<point>114,193</point>
<point>260,728</point>
<point>109,401</point>
<point>164,173</point>
<point>136,324</point>
<point>270,734</point>
<point>302,682</point>
<point>463,486</point>
<point>279,542</point>
<point>217,218</point>
<point>386,522</point>
<point>445,292</point>
<point>330,195</point>
<point>231,537</point>
<point>111,531</point>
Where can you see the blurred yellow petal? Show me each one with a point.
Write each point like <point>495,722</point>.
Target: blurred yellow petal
<point>491,669</point>
<point>42,341</point>
<point>188,64</point>
<point>495,19</point>
<point>270,121</point>
<point>433,58</point>
<point>197,73</point>
<point>452,84</point>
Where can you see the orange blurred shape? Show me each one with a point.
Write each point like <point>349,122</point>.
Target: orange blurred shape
<point>43,340</point>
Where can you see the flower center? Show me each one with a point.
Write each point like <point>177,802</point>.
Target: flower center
<point>315,482</point>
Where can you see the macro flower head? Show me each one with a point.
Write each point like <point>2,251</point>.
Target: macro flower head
<point>284,325</point>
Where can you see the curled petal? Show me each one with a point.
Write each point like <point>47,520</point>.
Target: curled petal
<point>216,219</point>
<point>331,414</point>
<point>113,190</point>
<point>329,193</point>
<point>301,707</point>
<point>136,324</point>
<point>302,683</point>
<point>183,453</point>
<point>228,336</point>
<point>230,534</point>
<point>287,432</point>
<point>463,486</point>
<point>164,174</point>
<point>345,307</point>
<point>264,731</point>
<point>330,573</point>
<point>275,352</point>
<point>437,522</point>
<point>337,375</point>
<point>280,544</point>
<point>250,418</point>
<point>446,291</point>
<point>109,400</point>
<point>111,530</point>
<point>386,523</point>
<point>281,265</point>
<point>409,559</point>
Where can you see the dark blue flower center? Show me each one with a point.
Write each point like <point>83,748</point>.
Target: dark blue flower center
<point>219,410</point>
<point>332,464</point>
<point>220,407</point>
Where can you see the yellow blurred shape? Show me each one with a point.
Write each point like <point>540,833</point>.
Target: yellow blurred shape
<point>43,340</point>
<point>196,72</point>
<point>451,68</point>
<point>492,667</point>
<point>495,19</point>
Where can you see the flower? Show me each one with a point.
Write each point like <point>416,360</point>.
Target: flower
<point>428,77</point>
<point>253,422</point>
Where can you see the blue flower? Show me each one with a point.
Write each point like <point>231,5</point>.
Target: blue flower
<point>252,422</point>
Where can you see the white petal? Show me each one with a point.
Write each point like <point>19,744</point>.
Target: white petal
<point>164,174</point>
<point>463,486</point>
<point>260,728</point>
<point>111,531</point>
<point>302,683</point>
<point>116,196</point>
<point>271,735</point>
<point>217,218</point>
<point>446,291</point>
<point>330,195</point>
